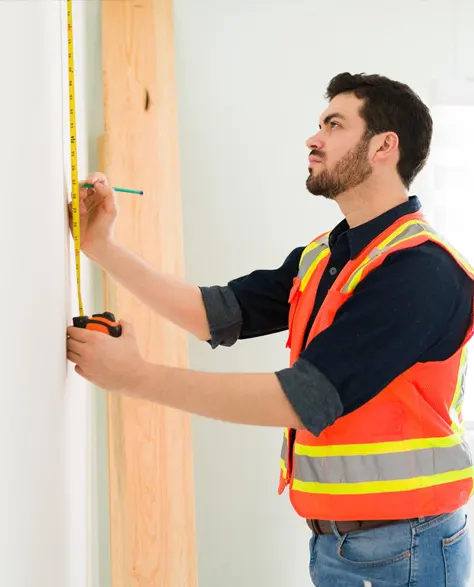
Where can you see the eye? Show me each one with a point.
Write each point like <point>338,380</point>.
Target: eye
<point>332,124</point>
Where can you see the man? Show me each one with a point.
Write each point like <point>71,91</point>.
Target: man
<point>378,311</point>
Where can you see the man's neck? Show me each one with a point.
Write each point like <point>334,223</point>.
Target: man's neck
<point>366,202</point>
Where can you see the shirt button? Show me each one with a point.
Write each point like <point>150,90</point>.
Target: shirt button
<point>332,271</point>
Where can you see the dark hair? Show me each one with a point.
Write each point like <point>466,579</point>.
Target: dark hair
<point>391,106</point>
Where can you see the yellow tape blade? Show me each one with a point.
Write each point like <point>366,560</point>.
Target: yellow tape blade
<point>76,227</point>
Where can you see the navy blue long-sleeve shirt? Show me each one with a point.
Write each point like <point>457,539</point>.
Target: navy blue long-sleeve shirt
<point>415,307</point>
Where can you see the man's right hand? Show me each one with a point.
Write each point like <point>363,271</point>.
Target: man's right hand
<point>167,295</point>
<point>98,213</point>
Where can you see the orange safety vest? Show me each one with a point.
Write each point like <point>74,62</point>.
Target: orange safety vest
<point>402,454</point>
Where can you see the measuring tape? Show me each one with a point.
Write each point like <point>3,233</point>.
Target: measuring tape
<point>100,322</point>
<point>76,222</point>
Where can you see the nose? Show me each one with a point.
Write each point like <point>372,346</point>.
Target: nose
<point>315,142</point>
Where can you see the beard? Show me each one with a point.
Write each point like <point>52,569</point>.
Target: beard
<point>349,172</point>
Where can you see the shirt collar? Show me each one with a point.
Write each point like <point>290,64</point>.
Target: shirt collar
<point>360,236</point>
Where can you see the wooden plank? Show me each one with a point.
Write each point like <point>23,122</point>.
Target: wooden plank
<point>150,452</point>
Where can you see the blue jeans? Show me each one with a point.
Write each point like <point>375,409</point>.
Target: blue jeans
<point>423,552</point>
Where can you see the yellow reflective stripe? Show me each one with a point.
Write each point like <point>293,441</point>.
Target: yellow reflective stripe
<point>382,486</point>
<point>322,240</point>
<point>310,258</point>
<point>455,254</point>
<point>307,276</point>
<point>391,466</point>
<point>374,448</point>
<point>399,230</point>
<point>357,275</point>
<point>308,249</point>
<point>459,428</point>
<point>283,467</point>
<point>411,236</point>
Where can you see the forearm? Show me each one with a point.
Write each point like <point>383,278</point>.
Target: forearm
<point>242,398</point>
<point>174,299</point>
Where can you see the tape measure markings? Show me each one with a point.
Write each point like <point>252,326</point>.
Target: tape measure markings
<point>76,226</point>
<point>104,322</point>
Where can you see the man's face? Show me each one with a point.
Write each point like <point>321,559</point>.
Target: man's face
<point>338,160</point>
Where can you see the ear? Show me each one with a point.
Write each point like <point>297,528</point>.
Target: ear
<point>384,146</point>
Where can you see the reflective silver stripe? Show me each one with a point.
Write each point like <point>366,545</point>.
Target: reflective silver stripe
<point>284,449</point>
<point>382,467</point>
<point>307,259</point>
<point>462,385</point>
<point>410,231</point>
<point>458,405</point>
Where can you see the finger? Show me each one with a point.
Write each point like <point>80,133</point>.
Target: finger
<point>82,208</point>
<point>80,334</point>
<point>78,370</point>
<point>73,357</point>
<point>103,191</point>
<point>95,197</point>
<point>97,177</point>
<point>75,346</point>
<point>85,192</point>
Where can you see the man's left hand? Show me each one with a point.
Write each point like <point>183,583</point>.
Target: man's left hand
<point>113,364</point>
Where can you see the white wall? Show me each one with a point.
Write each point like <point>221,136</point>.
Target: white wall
<point>46,497</point>
<point>251,79</point>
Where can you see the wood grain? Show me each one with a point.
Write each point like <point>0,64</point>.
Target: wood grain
<point>150,451</point>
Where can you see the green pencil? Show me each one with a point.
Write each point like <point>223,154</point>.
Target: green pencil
<point>139,192</point>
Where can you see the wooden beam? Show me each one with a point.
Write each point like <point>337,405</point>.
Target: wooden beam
<point>150,452</point>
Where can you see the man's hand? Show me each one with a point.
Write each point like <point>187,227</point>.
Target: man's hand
<point>98,213</point>
<point>113,364</point>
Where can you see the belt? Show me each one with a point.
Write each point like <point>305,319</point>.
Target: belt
<point>324,526</point>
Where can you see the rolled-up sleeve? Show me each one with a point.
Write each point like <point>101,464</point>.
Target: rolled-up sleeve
<point>224,315</point>
<point>313,397</point>
<point>252,305</point>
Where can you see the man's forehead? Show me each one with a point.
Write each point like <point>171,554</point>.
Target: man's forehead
<point>345,106</point>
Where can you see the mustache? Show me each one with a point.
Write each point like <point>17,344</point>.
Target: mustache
<point>315,153</point>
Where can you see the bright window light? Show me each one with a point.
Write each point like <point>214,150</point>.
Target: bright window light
<point>450,173</point>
